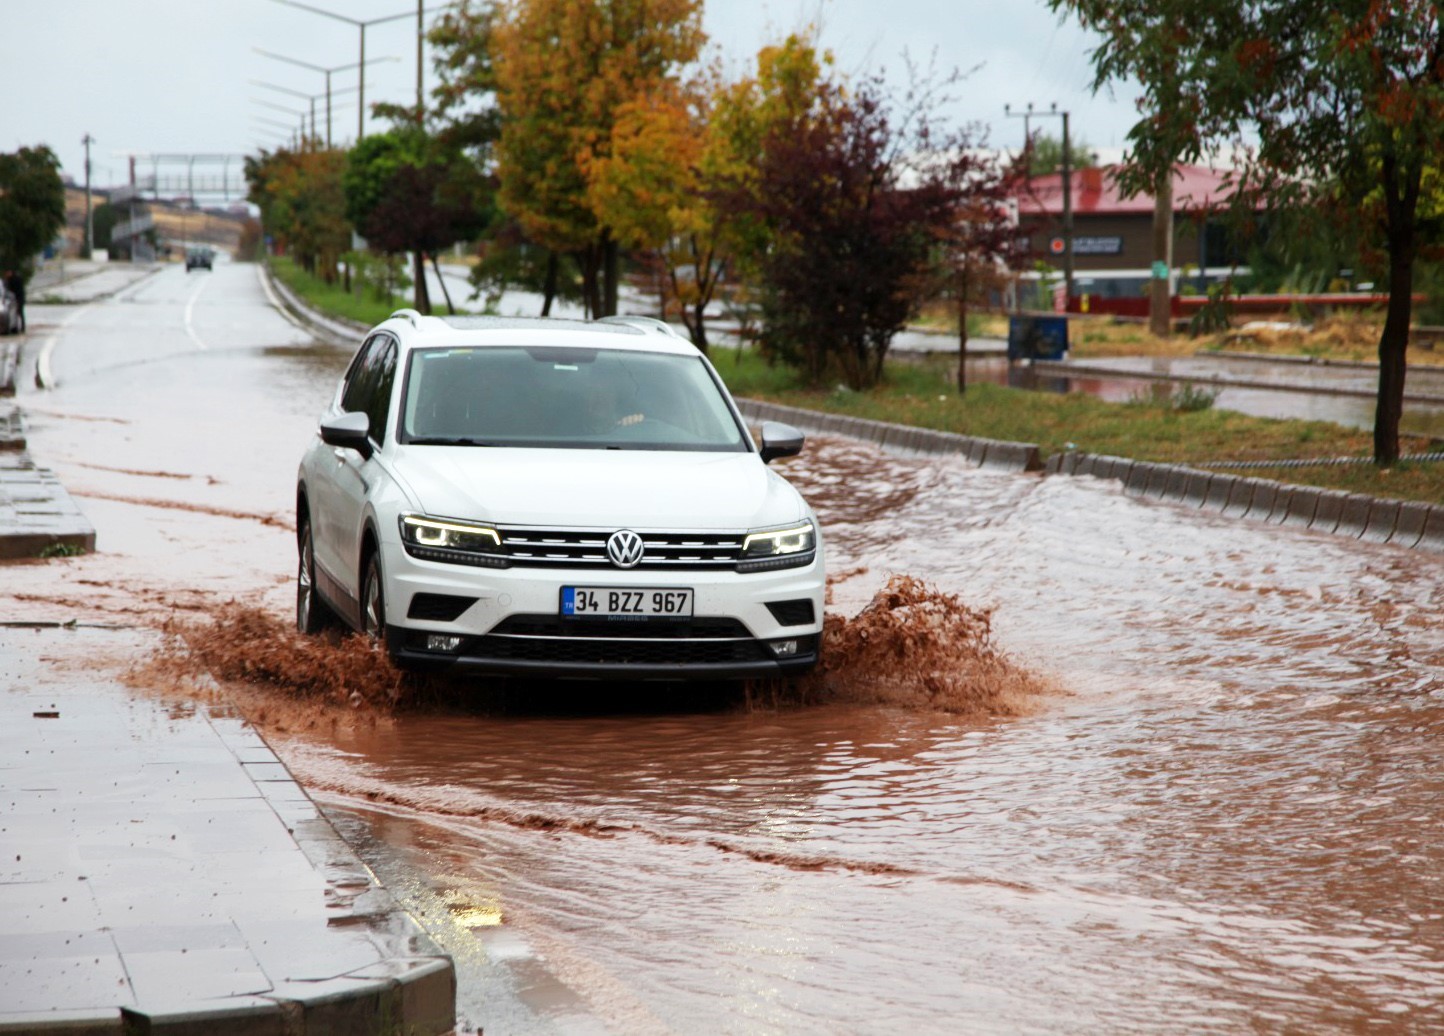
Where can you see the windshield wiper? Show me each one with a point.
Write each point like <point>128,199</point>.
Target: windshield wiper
<point>448,440</point>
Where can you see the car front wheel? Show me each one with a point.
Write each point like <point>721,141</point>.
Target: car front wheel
<point>312,614</point>
<point>373,600</point>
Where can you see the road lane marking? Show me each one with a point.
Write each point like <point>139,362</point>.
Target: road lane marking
<point>44,376</point>
<point>275,300</point>
<point>190,313</point>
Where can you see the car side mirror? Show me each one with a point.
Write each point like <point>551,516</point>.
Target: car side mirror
<point>350,431</point>
<point>780,440</point>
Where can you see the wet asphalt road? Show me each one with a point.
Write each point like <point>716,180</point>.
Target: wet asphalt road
<point>1226,820</point>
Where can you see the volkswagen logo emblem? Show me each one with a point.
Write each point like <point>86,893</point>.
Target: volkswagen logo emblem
<point>625,548</point>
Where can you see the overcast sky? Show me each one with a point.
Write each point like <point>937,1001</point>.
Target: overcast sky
<point>168,76</point>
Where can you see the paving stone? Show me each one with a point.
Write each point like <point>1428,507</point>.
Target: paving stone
<point>1261,504</point>
<point>1329,509</point>
<point>1240,497</point>
<point>1353,515</point>
<point>1409,526</point>
<point>1432,536</point>
<point>1138,476</point>
<point>1379,525</point>
<point>1220,488</point>
<point>1117,467</point>
<point>1303,502</point>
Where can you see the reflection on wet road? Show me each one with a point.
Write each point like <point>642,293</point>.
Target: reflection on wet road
<point>1230,821</point>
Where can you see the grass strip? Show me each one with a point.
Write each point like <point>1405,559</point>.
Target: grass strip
<point>333,298</point>
<point>922,393</point>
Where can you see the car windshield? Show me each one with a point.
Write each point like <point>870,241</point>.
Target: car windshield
<point>564,398</point>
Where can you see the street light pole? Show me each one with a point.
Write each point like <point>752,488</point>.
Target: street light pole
<point>361,25</point>
<point>360,65</point>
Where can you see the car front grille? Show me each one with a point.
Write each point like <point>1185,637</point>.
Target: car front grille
<point>647,629</point>
<point>549,638</point>
<point>616,651</point>
<point>574,548</point>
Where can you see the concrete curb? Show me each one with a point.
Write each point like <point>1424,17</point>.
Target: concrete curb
<point>902,439</point>
<point>328,328</point>
<point>1402,523</point>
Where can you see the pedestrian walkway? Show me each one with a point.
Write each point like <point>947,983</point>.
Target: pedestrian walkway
<point>160,870</point>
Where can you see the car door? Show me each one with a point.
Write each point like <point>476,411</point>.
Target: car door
<point>355,476</point>
<point>330,470</point>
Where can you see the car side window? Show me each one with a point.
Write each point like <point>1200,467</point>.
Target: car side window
<point>379,404</point>
<point>361,379</point>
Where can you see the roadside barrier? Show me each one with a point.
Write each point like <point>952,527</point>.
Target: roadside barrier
<point>994,454</point>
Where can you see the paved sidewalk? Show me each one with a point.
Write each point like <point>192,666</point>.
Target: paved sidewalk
<point>160,870</point>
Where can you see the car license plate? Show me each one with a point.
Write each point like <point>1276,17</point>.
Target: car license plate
<point>611,602</point>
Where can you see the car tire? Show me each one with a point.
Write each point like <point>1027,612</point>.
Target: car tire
<point>373,599</point>
<point>313,615</point>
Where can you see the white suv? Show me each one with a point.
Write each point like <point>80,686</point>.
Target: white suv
<point>555,498</point>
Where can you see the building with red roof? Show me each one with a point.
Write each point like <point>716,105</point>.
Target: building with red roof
<point>1113,234</point>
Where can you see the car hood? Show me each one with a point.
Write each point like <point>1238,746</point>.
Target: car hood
<point>599,488</point>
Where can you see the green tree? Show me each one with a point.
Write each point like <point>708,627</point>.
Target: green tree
<point>563,70</point>
<point>408,191</point>
<point>1344,98</point>
<point>32,206</point>
<point>302,206</point>
<point>1045,155</point>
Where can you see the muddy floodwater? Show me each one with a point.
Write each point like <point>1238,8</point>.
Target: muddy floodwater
<point>1226,817</point>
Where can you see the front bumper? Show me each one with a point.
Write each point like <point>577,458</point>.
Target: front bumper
<point>509,622</point>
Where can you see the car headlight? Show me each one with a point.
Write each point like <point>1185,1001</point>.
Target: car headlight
<point>788,547</point>
<point>444,539</point>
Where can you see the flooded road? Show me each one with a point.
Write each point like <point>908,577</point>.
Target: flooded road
<point>1226,818</point>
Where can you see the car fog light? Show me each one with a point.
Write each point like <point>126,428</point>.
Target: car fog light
<point>784,648</point>
<point>442,642</point>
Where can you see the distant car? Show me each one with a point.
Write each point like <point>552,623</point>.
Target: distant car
<point>555,498</point>
<point>9,312</point>
<point>198,259</point>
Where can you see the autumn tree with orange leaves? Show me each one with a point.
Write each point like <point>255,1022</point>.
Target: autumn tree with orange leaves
<point>1341,101</point>
<point>565,72</point>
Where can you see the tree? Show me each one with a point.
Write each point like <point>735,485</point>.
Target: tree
<point>981,242</point>
<point>855,208</point>
<point>651,189</point>
<point>1346,97</point>
<point>408,191</point>
<point>564,69</point>
<point>302,206</point>
<point>32,206</point>
<point>1045,155</point>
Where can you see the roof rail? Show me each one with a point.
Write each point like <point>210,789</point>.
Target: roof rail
<point>409,314</point>
<point>642,323</point>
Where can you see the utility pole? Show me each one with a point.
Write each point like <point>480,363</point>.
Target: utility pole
<point>420,41</point>
<point>1066,179</point>
<point>87,140</point>
<point>1067,214</point>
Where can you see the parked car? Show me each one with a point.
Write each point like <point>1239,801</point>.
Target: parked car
<point>555,498</point>
<point>9,311</point>
<point>198,259</point>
